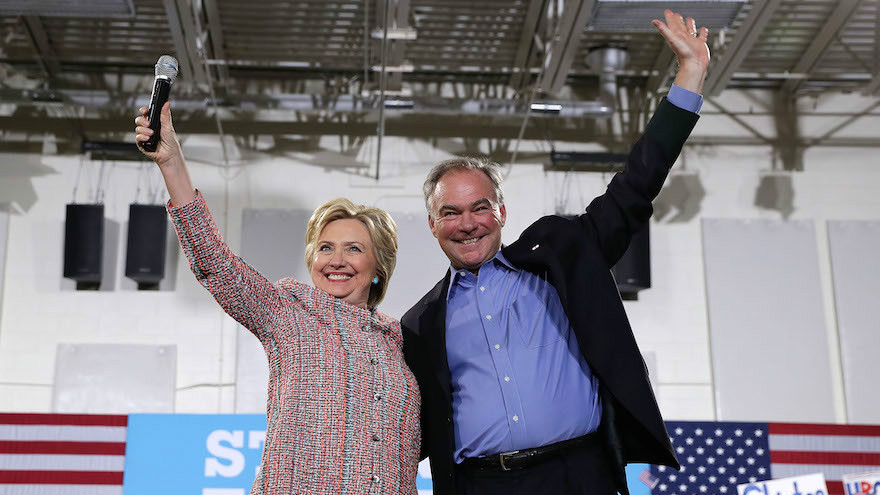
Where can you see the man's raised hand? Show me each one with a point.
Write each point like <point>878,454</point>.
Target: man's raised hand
<point>690,48</point>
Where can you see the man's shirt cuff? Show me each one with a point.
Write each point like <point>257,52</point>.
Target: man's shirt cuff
<point>684,99</point>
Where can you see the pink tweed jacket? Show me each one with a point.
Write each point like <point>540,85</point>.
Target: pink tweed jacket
<point>343,408</point>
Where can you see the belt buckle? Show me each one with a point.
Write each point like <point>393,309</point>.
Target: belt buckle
<point>501,459</point>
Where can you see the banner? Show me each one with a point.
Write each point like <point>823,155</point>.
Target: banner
<point>193,454</point>
<point>810,484</point>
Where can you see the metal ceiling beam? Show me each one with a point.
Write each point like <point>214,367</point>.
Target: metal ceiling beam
<point>663,67</point>
<point>183,32</point>
<point>823,39</point>
<point>398,22</point>
<point>215,32</point>
<point>748,33</point>
<point>573,21</point>
<point>874,85</point>
<point>46,56</point>
<point>528,44</point>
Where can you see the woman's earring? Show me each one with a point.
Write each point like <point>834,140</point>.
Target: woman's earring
<point>375,280</point>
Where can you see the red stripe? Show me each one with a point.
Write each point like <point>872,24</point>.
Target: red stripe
<point>81,448</point>
<point>823,429</point>
<point>62,477</point>
<point>836,458</point>
<point>835,487</point>
<point>63,419</point>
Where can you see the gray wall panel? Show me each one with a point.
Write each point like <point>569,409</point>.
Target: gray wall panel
<point>273,242</point>
<point>856,273</point>
<point>4,235</point>
<point>114,378</point>
<point>420,264</point>
<point>766,321</point>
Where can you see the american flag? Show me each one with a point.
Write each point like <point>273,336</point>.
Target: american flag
<point>62,454</point>
<point>717,456</point>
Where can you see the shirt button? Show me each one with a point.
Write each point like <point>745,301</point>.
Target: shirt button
<point>497,346</point>
<point>374,361</point>
<point>488,317</point>
<point>377,397</point>
<point>516,418</point>
<point>506,378</point>
<point>482,289</point>
<point>374,478</point>
<point>375,438</point>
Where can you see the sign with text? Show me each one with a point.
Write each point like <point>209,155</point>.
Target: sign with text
<point>193,454</point>
<point>810,484</point>
<point>201,454</point>
<point>862,483</point>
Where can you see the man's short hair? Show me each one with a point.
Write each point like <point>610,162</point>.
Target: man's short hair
<point>488,167</point>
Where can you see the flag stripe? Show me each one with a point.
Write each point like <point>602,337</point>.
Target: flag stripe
<point>81,448</point>
<point>42,462</point>
<point>25,489</point>
<point>843,443</point>
<point>836,458</point>
<point>63,419</point>
<point>820,429</point>
<point>831,472</point>
<point>62,477</point>
<point>835,487</point>
<point>64,433</point>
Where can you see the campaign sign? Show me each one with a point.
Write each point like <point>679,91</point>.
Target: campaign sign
<point>193,454</point>
<point>201,454</point>
<point>809,484</point>
<point>862,483</point>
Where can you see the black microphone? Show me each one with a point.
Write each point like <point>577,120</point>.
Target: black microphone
<point>166,73</point>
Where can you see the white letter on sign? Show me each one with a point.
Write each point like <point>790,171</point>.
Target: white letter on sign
<point>213,466</point>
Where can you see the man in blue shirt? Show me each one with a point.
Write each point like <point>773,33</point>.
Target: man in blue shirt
<point>531,379</point>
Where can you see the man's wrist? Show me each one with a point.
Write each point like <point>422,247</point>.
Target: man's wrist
<point>691,77</point>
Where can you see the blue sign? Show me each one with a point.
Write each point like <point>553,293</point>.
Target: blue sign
<point>201,454</point>
<point>193,454</point>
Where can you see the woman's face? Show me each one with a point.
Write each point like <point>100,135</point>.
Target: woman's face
<point>344,265</point>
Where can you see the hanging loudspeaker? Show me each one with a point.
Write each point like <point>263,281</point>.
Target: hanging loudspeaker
<point>84,244</point>
<point>633,271</point>
<point>145,255</point>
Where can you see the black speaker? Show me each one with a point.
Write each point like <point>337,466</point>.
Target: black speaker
<point>145,255</point>
<point>633,271</point>
<point>84,244</point>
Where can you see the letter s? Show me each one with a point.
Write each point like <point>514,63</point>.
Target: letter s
<point>213,466</point>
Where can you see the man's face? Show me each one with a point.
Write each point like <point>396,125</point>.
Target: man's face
<point>467,219</point>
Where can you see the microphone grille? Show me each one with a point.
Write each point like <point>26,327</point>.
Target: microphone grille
<point>167,66</point>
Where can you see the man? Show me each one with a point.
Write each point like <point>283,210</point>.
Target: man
<point>531,379</point>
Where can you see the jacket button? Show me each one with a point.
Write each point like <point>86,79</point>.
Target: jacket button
<point>449,419</point>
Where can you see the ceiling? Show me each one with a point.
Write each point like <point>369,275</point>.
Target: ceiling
<point>473,67</point>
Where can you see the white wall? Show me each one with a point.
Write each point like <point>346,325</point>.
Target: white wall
<point>40,309</point>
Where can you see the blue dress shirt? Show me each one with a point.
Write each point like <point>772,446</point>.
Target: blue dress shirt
<point>519,379</point>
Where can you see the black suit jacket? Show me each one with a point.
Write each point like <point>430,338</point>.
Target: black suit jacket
<point>575,256</point>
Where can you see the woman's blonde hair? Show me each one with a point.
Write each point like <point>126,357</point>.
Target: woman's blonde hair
<point>383,234</point>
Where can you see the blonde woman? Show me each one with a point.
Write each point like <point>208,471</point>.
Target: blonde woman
<point>343,408</point>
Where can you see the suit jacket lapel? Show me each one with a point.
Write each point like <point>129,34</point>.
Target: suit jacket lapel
<point>433,323</point>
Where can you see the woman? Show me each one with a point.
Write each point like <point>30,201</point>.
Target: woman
<point>343,408</point>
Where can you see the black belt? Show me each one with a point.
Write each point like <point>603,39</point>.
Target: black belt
<point>519,459</point>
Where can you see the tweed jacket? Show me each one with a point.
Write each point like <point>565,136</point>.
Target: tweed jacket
<point>575,256</point>
<point>343,408</point>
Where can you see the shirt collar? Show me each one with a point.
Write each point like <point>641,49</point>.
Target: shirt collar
<point>498,259</point>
